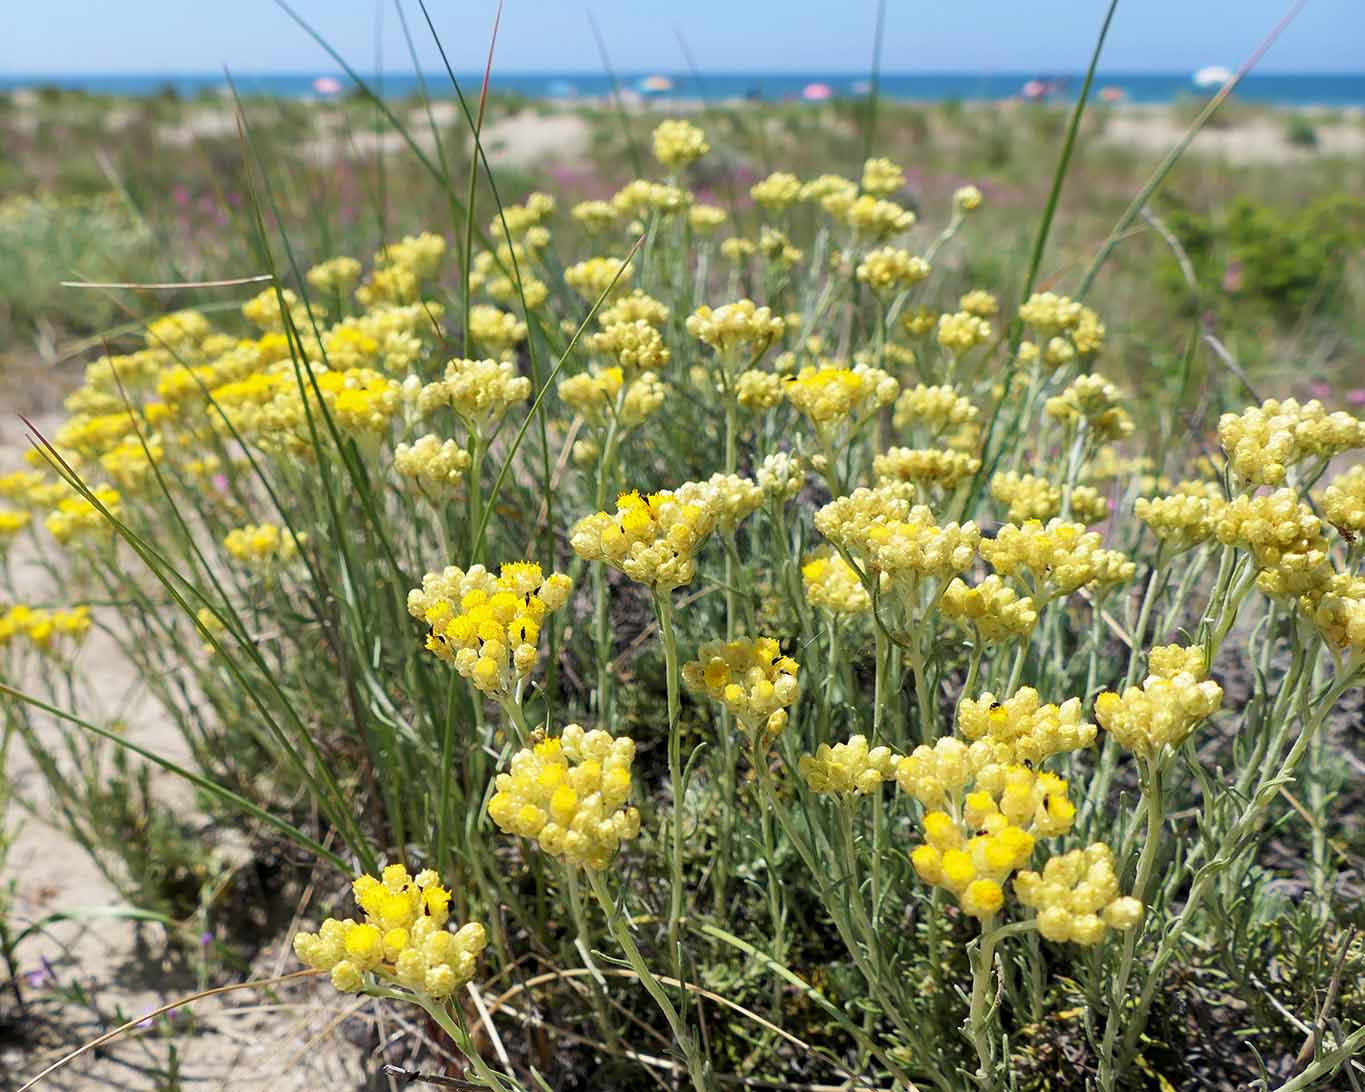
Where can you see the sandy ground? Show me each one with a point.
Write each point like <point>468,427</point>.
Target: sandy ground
<point>291,1039</point>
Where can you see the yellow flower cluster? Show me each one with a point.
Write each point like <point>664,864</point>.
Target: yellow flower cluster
<point>595,394</point>
<point>966,199</point>
<point>635,344</point>
<point>894,538</point>
<point>402,941</point>
<point>1343,502</point>
<point>758,390</point>
<point>706,218</point>
<point>434,464</point>
<point>750,677</point>
<point>871,218</point>
<point>736,327</point>
<point>831,584</point>
<point>890,269</point>
<point>569,793</point>
<point>962,331</point>
<point>653,538</point>
<point>1096,401</point>
<point>938,411</point>
<point>260,546</point>
<point>336,276</point>
<point>777,248</point>
<point>1022,729</point>
<point>480,391</point>
<point>495,330</point>
<point>992,609</point>
<point>679,143</point>
<point>1057,559</point>
<point>781,476</point>
<point>641,196</point>
<point>847,767</point>
<point>987,834</point>
<point>1337,609</point>
<point>731,497</point>
<point>263,310</point>
<point>595,216</point>
<point>1171,702</point>
<point>1264,441</point>
<point>1076,899</point>
<point>520,219</point>
<point>979,302</point>
<point>487,627</point>
<point>594,276</point>
<point>882,177</point>
<point>77,520</point>
<point>1026,496</point>
<point>925,466</point>
<point>48,631</point>
<point>1182,520</point>
<point>1050,314</point>
<point>828,395</point>
<point>636,307</point>
<point>778,192</point>
<point>11,523</point>
<point>1284,536</point>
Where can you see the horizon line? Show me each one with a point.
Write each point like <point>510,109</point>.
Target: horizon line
<point>686,74</point>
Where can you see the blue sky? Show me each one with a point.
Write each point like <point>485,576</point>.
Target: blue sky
<point>88,36</point>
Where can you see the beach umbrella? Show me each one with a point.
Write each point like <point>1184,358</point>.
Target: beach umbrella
<point>656,85</point>
<point>817,92</point>
<point>1213,75</point>
<point>327,85</point>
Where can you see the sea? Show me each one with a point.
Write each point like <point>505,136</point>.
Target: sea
<point>1285,90</point>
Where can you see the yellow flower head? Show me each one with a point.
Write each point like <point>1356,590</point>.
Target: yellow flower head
<point>736,328</point>
<point>653,538</point>
<point>402,941</point>
<point>337,276</point>
<point>1166,708</point>
<point>992,609</point>
<point>962,331</point>
<point>828,395</point>
<point>847,767</point>
<point>487,627</point>
<point>925,466</point>
<point>594,276</point>
<point>882,177</point>
<point>480,391</point>
<point>632,344</point>
<point>1097,402</point>
<point>260,546</point>
<point>679,143</point>
<point>750,677</point>
<point>778,192</point>
<point>890,269</point>
<point>1076,898</point>
<point>1343,502</point>
<point>435,465</point>
<point>831,584</point>
<point>1284,536</point>
<point>1264,441</point>
<point>570,794</point>
<point>1056,559</point>
<point>77,520</point>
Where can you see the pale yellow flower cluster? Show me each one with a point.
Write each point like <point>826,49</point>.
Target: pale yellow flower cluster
<point>1026,496</point>
<point>1050,314</point>
<point>1337,609</point>
<point>435,465</point>
<point>596,394</point>
<point>827,395</point>
<point>636,307</point>
<point>1057,558</point>
<point>1077,898</point>
<point>1022,729</point>
<point>1182,520</point>
<point>890,269</point>
<point>938,410</point>
<point>76,520</point>
<point>479,391</point>
<point>1343,502</point>
<point>732,498</point>
<point>781,476</point>
<point>904,548</point>
<point>679,143</point>
<point>51,632</point>
<point>758,390</point>
<point>487,627</point>
<point>1097,402</point>
<point>641,197</point>
<point>403,939</point>
<point>335,276</point>
<point>993,609</point>
<point>263,310</point>
<point>1264,441</point>
<point>871,218</point>
<point>777,247</point>
<point>1171,702</point>
<point>832,584</point>
<point>848,767</point>
<point>962,331</point>
<point>592,277</point>
<point>634,344</point>
<point>925,466</point>
<point>1284,536</point>
<point>520,219</point>
<point>750,677</point>
<point>882,177</point>
<point>595,216</point>
<point>966,199</point>
<point>653,538</point>
<point>494,330</point>
<point>736,327</point>
<point>260,546</point>
<point>570,794</point>
<point>130,464</point>
<point>778,192</point>
<point>705,219</point>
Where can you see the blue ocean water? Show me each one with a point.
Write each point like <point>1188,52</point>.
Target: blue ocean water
<point>1333,90</point>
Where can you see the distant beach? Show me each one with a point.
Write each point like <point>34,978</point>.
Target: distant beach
<point>1271,89</point>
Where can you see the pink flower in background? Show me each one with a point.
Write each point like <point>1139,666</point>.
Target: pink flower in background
<point>220,482</point>
<point>1319,389</point>
<point>180,194</point>
<point>1356,397</point>
<point>1232,277</point>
